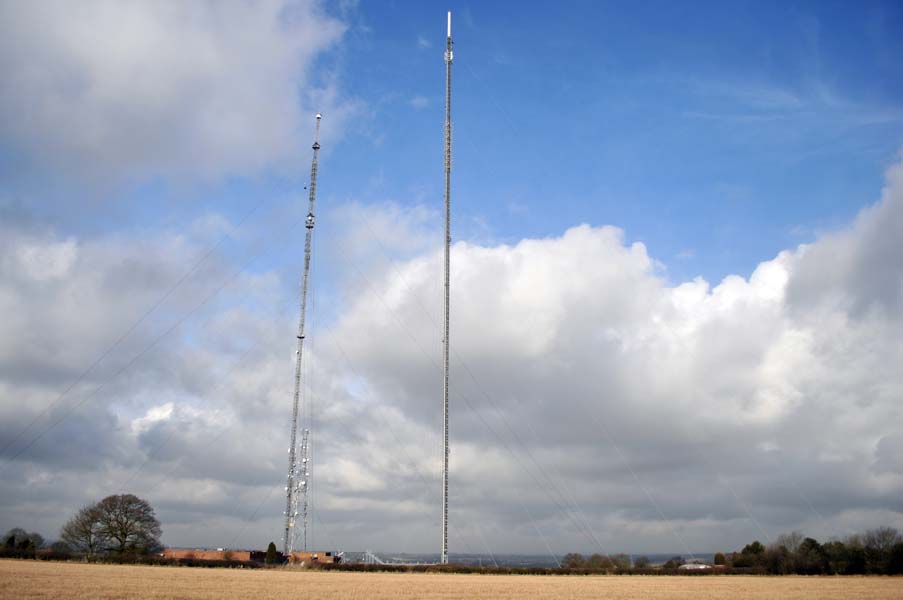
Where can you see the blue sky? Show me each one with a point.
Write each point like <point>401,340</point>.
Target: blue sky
<point>727,131</point>
<point>717,134</point>
<point>135,138</point>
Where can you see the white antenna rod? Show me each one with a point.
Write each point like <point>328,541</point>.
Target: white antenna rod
<point>443,558</point>
<point>297,484</point>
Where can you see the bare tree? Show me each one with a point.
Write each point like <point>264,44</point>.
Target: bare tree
<point>123,524</point>
<point>83,532</point>
<point>789,541</point>
<point>878,544</point>
<point>129,524</point>
<point>881,539</point>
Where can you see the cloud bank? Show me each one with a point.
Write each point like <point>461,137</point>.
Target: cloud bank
<point>595,404</point>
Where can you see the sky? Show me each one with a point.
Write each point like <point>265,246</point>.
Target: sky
<point>677,283</point>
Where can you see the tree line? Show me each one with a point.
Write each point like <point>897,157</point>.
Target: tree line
<point>20,543</point>
<point>118,526</point>
<point>874,552</point>
<point>600,563</point>
<point>126,527</point>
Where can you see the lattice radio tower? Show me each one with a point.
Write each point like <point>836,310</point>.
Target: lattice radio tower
<point>298,483</point>
<point>443,558</point>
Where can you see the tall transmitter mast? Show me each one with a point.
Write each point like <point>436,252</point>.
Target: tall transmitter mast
<point>443,558</point>
<point>298,484</point>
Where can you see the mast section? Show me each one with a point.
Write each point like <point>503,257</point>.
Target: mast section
<point>297,482</point>
<point>443,558</point>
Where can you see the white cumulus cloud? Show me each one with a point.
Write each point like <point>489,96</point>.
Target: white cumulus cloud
<point>114,90</point>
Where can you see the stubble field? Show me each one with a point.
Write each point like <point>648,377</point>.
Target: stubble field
<point>53,580</point>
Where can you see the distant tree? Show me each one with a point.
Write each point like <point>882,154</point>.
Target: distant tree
<point>719,558</point>
<point>790,541</point>
<point>877,544</point>
<point>573,561</point>
<point>641,562</point>
<point>272,557</point>
<point>673,562</point>
<point>739,560</point>
<point>857,564</point>
<point>18,537</point>
<point>881,539</point>
<point>60,547</point>
<point>877,551</point>
<point>753,549</point>
<point>26,548</point>
<point>17,534</point>
<point>129,524</point>
<point>84,533</point>
<point>598,562</point>
<point>836,557</point>
<point>810,558</point>
<point>620,561</point>
<point>895,562</point>
<point>777,560</point>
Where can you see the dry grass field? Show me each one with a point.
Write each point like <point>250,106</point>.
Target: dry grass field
<point>33,579</point>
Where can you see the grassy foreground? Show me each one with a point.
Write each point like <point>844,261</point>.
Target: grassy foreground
<point>54,580</point>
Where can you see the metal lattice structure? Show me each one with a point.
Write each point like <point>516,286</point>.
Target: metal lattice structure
<point>449,56</point>
<point>298,481</point>
<point>303,486</point>
<point>371,559</point>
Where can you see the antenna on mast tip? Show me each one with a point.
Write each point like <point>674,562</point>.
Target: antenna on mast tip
<point>449,23</point>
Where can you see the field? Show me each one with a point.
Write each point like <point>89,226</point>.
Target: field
<point>53,580</point>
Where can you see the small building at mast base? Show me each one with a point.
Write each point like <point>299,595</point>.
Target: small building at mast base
<point>220,554</point>
<point>311,559</point>
<point>301,558</point>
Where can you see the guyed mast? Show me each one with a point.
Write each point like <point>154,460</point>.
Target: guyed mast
<point>443,556</point>
<point>298,482</point>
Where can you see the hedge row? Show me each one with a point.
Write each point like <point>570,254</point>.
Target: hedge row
<point>368,568</point>
<point>129,560</point>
